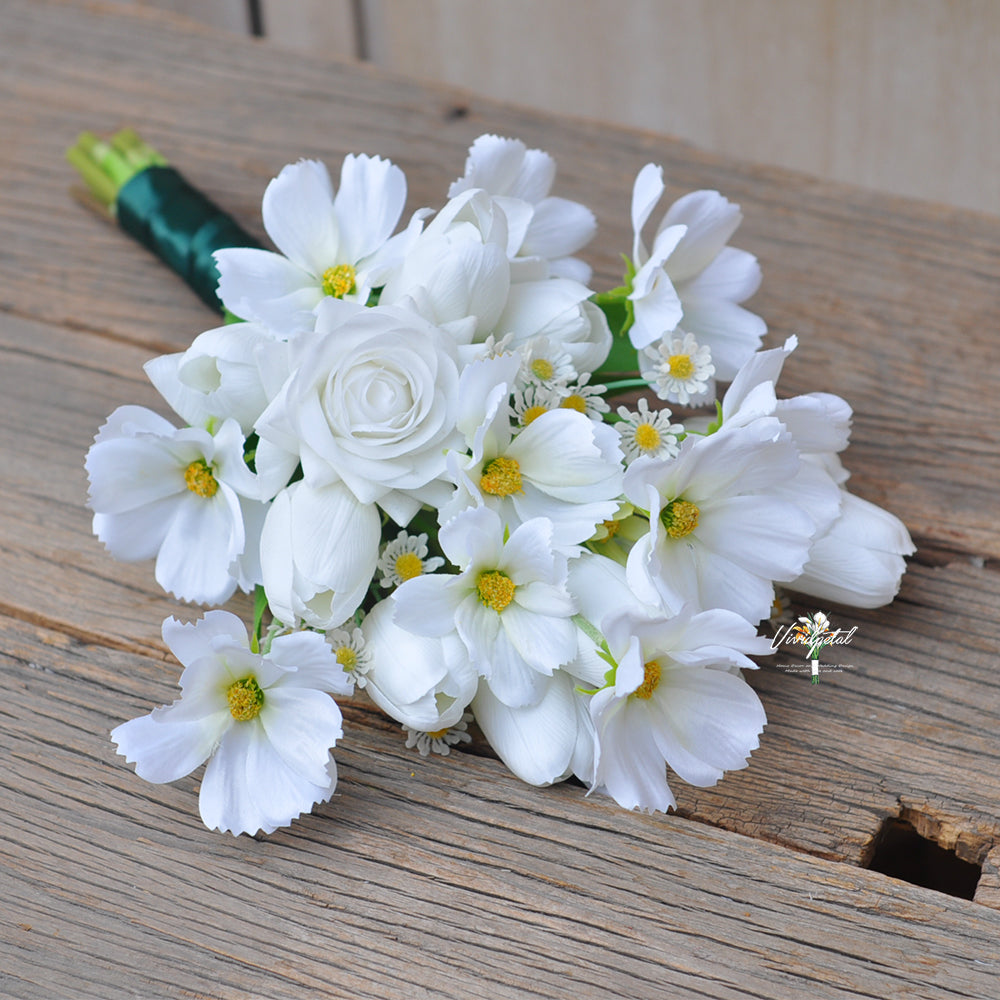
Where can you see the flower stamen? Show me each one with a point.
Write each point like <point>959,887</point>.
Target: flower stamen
<point>543,368</point>
<point>501,477</point>
<point>496,589</point>
<point>532,413</point>
<point>199,479</point>
<point>647,437</point>
<point>650,681</point>
<point>681,366</point>
<point>346,657</point>
<point>340,280</point>
<point>408,565</point>
<point>680,518</point>
<point>245,699</point>
<point>574,401</point>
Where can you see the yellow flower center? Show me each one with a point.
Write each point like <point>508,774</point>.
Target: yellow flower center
<point>245,699</point>
<point>650,681</point>
<point>501,477</point>
<point>532,413</point>
<point>496,589</point>
<point>438,734</point>
<point>680,518</point>
<point>574,402</point>
<point>346,657</point>
<point>409,565</point>
<point>611,527</point>
<point>339,281</point>
<point>681,366</point>
<point>543,368</point>
<point>647,437</point>
<point>199,479</point>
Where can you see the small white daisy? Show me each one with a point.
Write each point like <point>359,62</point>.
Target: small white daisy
<point>534,400</point>
<point>679,370</point>
<point>586,399</point>
<point>404,558</point>
<point>545,362</point>
<point>495,348</point>
<point>349,648</point>
<point>441,740</point>
<point>647,433</point>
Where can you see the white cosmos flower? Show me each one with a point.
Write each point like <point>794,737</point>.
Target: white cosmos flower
<point>372,404</point>
<point>331,244</point>
<point>509,605</point>
<point>679,370</point>
<point>675,699</point>
<point>691,278</point>
<point>562,466</point>
<point>519,179</point>
<point>265,724</point>
<point>318,552</point>
<point>819,424</point>
<point>176,495</point>
<point>720,535</point>
<point>424,682</point>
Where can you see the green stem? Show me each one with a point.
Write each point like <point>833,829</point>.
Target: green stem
<point>626,383</point>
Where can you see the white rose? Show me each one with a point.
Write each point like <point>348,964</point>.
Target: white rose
<point>372,404</point>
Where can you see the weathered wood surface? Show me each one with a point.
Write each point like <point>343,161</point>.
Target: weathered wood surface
<point>895,302</point>
<point>426,882</point>
<point>439,879</point>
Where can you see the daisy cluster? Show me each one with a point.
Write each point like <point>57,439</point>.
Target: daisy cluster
<point>406,451</point>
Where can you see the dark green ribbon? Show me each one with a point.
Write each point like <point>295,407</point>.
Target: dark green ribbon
<point>180,225</point>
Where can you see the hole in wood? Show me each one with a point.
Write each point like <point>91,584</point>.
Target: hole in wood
<point>900,851</point>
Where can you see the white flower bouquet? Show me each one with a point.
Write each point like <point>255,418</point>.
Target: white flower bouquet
<point>404,448</point>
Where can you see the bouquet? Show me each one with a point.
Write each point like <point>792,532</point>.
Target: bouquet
<point>402,443</point>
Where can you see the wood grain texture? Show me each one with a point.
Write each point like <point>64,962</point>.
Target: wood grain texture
<point>431,878</point>
<point>229,15</point>
<point>895,302</point>
<point>326,29</point>
<point>455,880</point>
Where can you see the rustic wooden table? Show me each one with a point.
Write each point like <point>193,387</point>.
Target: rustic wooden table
<point>446,877</point>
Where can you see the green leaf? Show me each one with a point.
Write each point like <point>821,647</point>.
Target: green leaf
<point>259,607</point>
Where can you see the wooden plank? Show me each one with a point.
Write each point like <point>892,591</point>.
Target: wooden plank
<point>59,386</point>
<point>326,29</point>
<point>425,878</point>
<point>898,96</point>
<point>227,15</point>
<point>468,877</point>
<point>922,689</point>
<point>895,302</point>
